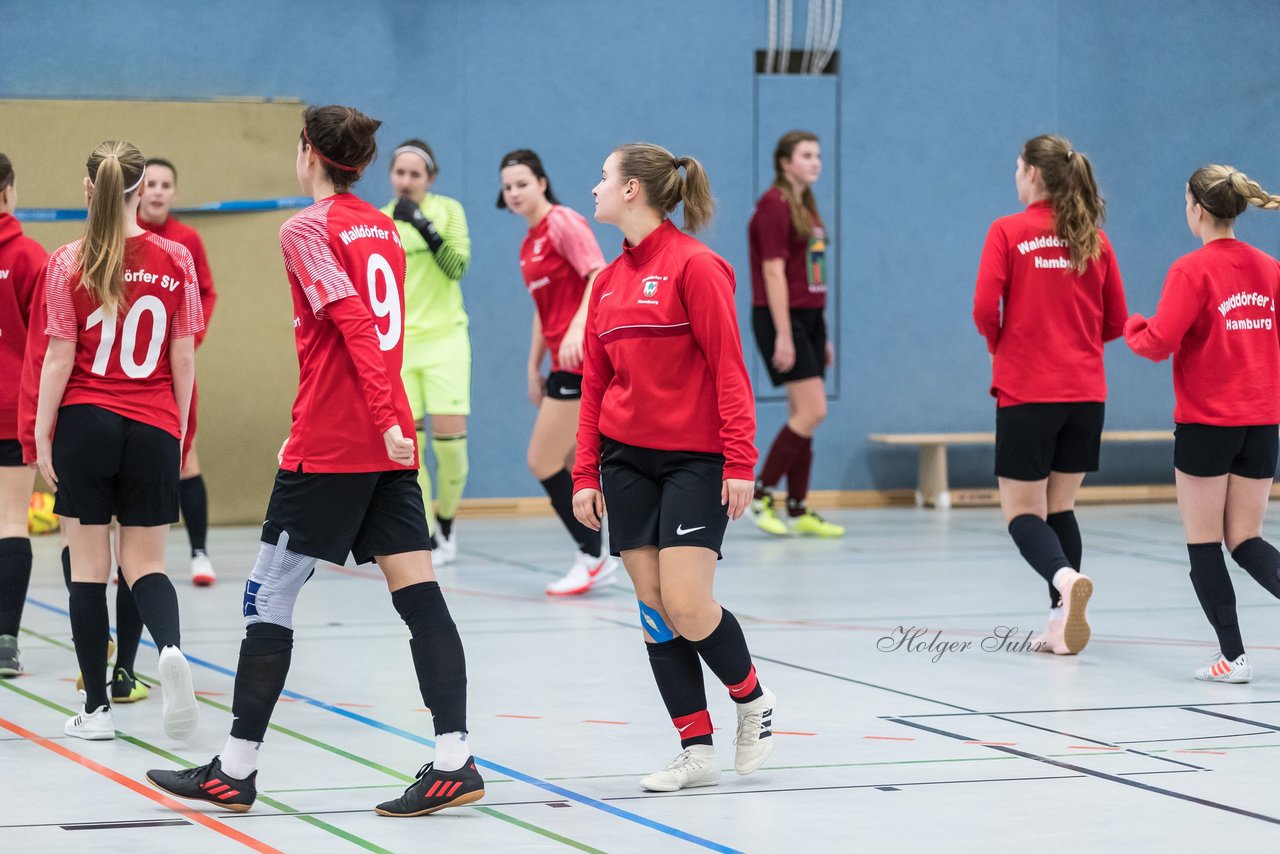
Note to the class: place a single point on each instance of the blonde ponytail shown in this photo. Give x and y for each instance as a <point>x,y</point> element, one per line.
<point>658,172</point>
<point>114,167</point>
<point>1225,192</point>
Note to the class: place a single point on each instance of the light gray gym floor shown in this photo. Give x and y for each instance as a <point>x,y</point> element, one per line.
<point>983,751</point>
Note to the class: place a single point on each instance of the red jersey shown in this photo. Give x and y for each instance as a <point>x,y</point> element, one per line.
<point>29,390</point>
<point>772,235</point>
<point>1048,343</point>
<point>179,232</point>
<point>346,271</point>
<point>122,359</point>
<point>1217,317</point>
<point>663,365</point>
<point>555,259</point>
<point>21,260</point>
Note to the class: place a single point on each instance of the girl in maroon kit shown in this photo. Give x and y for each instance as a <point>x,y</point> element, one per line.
<point>123,308</point>
<point>665,435</point>
<point>559,259</point>
<point>789,248</point>
<point>1048,297</point>
<point>1217,318</point>
<point>21,260</point>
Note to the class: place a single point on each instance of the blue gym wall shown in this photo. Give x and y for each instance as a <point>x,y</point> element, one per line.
<point>934,99</point>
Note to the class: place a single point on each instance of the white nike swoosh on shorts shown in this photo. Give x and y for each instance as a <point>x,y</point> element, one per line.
<point>681,530</point>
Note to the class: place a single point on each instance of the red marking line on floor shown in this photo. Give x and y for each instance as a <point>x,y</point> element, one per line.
<point>210,694</point>
<point>786,732</point>
<point>521,717</point>
<point>616,723</point>
<point>993,743</point>
<point>354,705</point>
<point>139,788</point>
<point>887,738</point>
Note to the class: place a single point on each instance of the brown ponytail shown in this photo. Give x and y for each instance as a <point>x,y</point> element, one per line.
<point>804,207</point>
<point>1078,208</point>
<point>113,166</point>
<point>343,138</point>
<point>658,172</point>
<point>1225,193</point>
<point>6,172</point>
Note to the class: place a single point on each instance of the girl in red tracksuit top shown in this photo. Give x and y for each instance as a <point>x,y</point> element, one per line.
<point>1217,318</point>
<point>1048,297</point>
<point>666,432</point>
<point>21,259</point>
<point>559,260</point>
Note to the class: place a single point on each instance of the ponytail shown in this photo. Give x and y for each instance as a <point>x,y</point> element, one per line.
<point>658,172</point>
<point>114,168</point>
<point>1225,193</point>
<point>1078,208</point>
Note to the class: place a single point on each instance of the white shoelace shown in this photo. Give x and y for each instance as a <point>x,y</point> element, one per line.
<point>684,761</point>
<point>750,725</point>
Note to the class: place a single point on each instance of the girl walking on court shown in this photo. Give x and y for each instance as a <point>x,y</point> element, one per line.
<point>437,345</point>
<point>559,260</point>
<point>1048,298</point>
<point>1217,318</point>
<point>21,260</point>
<point>673,459</point>
<point>347,483</point>
<point>789,249</point>
<point>159,189</point>
<point>123,309</point>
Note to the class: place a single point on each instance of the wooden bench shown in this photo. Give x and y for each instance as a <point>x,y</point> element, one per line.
<point>932,489</point>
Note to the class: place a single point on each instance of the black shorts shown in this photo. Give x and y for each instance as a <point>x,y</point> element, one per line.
<point>1033,439</point>
<point>10,453</point>
<point>108,465</point>
<point>808,331</point>
<point>329,516</point>
<point>662,498</point>
<point>1203,450</point>
<point>563,385</point>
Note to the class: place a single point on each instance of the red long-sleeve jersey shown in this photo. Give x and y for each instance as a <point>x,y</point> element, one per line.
<point>664,367</point>
<point>182,233</point>
<point>1217,318</point>
<point>1045,325</point>
<point>21,260</point>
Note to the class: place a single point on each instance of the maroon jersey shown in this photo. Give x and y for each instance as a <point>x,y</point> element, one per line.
<point>346,271</point>
<point>772,235</point>
<point>21,260</point>
<point>555,259</point>
<point>122,357</point>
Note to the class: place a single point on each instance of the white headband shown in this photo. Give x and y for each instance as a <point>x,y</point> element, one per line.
<point>431,164</point>
<point>136,184</point>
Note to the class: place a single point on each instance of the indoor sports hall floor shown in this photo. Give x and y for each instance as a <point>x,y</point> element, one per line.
<point>875,750</point>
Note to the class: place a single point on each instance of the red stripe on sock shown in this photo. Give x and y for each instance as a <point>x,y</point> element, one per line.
<point>746,686</point>
<point>694,725</point>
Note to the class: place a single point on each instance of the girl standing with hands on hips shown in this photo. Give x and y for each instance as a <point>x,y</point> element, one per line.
<point>1217,318</point>
<point>559,259</point>
<point>665,438</point>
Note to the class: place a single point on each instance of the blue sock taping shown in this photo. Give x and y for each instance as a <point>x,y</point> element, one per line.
<point>651,622</point>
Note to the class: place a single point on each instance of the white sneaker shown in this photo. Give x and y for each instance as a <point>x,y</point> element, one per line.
<point>446,550</point>
<point>98,726</point>
<point>695,766</point>
<point>754,740</point>
<point>587,572</point>
<point>202,574</point>
<point>181,714</point>
<point>1222,670</point>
